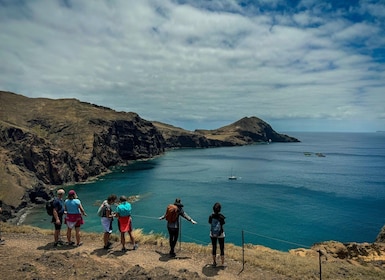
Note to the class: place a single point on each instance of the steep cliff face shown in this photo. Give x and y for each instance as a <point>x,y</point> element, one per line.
<point>47,142</point>
<point>53,142</point>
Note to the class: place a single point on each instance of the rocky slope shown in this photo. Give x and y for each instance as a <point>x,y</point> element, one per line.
<point>46,142</point>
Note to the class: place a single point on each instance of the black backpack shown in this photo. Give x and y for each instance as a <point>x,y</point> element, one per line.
<point>49,206</point>
<point>216,227</point>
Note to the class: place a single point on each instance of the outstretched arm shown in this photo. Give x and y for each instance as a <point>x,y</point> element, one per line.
<point>187,217</point>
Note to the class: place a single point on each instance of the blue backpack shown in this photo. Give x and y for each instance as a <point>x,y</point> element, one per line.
<point>216,228</point>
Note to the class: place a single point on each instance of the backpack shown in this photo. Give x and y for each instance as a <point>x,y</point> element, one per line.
<point>100,211</point>
<point>124,209</point>
<point>49,206</point>
<point>216,228</point>
<point>172,213</point>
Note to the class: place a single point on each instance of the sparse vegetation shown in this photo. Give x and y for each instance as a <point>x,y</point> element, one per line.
<point>256,258</point>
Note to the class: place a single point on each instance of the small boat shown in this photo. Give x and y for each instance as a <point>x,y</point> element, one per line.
<point>232,176</point>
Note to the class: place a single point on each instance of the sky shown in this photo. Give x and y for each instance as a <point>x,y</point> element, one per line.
<point>300,65</point>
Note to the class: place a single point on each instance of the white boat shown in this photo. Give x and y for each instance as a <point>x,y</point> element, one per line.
<point>232,176</point>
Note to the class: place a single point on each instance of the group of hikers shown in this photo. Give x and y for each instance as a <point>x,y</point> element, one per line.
<point>71,212</point>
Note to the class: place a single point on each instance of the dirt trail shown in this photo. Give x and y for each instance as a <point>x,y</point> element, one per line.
<point>32,256</point>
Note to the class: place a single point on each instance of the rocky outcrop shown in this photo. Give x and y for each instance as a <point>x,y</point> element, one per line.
<point>246,131</point>
<point>249,130</point>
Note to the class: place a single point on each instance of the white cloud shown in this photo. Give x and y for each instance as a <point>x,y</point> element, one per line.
<point>185,64</point>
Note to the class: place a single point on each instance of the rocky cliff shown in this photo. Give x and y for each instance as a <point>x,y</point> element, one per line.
<point>53,142</point>
<point>46,142</point>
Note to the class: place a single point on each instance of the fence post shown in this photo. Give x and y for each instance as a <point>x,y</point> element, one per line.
<point>180,234</point>
<point>243,252</point>
<point>320,264</point>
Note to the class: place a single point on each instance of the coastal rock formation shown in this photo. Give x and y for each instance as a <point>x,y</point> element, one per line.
<point>248,130</point>
<point>47,142</point>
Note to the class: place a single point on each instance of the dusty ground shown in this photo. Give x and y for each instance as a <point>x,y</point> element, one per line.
<point>32,256</point>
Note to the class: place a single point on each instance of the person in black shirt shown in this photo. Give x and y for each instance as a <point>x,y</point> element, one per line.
<point>57,217</point>
<point>217,233</point>
<point>173,226</point>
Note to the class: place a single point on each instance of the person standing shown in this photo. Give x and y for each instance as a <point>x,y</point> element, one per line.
<point>217,233</point>
<point>74,210</point>
<point>123,212</point>
<point>106,219</point>
<point>57,216</point>
<point>172,214</point>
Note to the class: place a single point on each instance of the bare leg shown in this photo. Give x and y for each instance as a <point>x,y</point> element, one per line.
<point>56,235</point>
<point>123,240</point>
<point>69,233</point>
<point>106,238</point>
<point>132,240</point>
<point>77,230</point>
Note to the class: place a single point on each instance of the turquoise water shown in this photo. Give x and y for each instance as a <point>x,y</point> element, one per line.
<point>282,199</point>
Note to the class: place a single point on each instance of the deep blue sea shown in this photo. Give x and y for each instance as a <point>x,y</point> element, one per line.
<point>284,197</point>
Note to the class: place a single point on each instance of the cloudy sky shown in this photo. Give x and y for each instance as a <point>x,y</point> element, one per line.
<point>300,65</point>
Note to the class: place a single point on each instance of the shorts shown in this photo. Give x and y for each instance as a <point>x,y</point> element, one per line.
<point>57,227</point>
<point>74,220</point>
<point>106,224</point>
<point>125,224</point>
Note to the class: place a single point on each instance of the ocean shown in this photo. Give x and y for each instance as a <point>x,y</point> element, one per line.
<point>330,186</point>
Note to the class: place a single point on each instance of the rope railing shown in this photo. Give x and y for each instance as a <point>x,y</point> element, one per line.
<point>277,239</point>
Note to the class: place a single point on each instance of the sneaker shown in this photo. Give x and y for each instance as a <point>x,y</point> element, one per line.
<point>2,241</point>
<point>214,264</point>
<point>124,249</point>
<point>71,243</point>
<point>79,244</point>
<point>61,242</point>
<point>135,247</point>
<point>57,244</point>
<point>107,246</point>
<point>172,255</point>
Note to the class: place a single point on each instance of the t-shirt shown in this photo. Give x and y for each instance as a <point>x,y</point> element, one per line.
<point>124,209</point>
<point>72,206</point>
<point>58,204</point>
